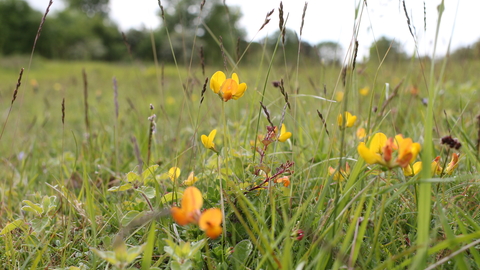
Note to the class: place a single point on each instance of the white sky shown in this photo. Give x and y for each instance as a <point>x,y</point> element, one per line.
<point>331,20</point>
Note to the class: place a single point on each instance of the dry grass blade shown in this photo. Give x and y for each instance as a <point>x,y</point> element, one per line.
<point>303,17</point>
<point>267,19</point>
<point>14,97</point>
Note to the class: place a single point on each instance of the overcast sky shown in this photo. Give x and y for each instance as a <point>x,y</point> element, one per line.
<point>332,20</point>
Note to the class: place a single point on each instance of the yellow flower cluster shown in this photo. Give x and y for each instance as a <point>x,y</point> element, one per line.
<point>389,152</point>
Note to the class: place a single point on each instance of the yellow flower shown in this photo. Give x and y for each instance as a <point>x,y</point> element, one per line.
<point>174,173</point>
<point>412,170</point>
<point>284,135</point>
<point>381,149</point>
<point>227,88</point>
<point>339,175</point>
<point>208,141</point>
<point>209,221</point>
<point>364,91</point>
<point>349,120</point>
<point>190,180</point>
<point>339,96</point>
<point>361,132</point>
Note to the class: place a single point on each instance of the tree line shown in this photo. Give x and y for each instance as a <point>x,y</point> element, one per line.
<point>191,28</point>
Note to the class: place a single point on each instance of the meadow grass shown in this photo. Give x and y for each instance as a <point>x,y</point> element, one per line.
<point>85,188</point>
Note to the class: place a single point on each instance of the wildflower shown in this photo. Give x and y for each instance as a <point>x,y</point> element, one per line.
<point>341,174</point>
<point>339,96</point>
<point>414,169</point>
<point>208,141</point>
<point>361,132</point>
<point>190,180</point>
<point>192,201</point>
<point>208,221</point>
<point>452,165</point>
<point>364,91</point>
<point>227,88</point>
<point>284,135</point>
<point>174,173</point>
<point>381,149</point>
<point>284,179</point>
<point>349,120</point>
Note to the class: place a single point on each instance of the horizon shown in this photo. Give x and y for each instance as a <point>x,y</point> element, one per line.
<point>379,20</point>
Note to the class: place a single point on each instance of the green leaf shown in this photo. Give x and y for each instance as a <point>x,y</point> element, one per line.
<point>133,252</point>
<point>121,188</point>
<point>108,256</point>
<point>39,224</point>
<point>148,191</point>
<point>149,171</point>
<point>32,207</point>
<point>12,226</point>
<point>131,215</point>
<point>241,252</point>
<point>132,176</point>
<point>169,197</point>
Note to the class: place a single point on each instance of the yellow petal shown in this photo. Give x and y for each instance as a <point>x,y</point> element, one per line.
<point>217,80</point>
<point>240,91</point>
<point>205,143</point>
<point>174,173</point>
<point>284,135</point>
<point>364,91</point>
<point>228,88</point>
<point>351,119</point>
<point>212,134</point>
<point>417,167</point>
<point>378,141</point>
<point>190,180</point>
<point>361,133</point>
<point>368,155</point>
<point>235,78</point>
<point>340,120</point>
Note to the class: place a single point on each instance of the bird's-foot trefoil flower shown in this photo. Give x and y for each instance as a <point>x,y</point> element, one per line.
<point>207,141</point>
<point>284,135</point>
<point>190,180</point>
<point>381,150</point>
<point>349,120</point>
<point>341,174</point>
<point>174,173</point>
<point>189,212</point>
<point>227,89</point>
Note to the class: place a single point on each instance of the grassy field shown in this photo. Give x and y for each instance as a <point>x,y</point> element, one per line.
<point>95,155</point>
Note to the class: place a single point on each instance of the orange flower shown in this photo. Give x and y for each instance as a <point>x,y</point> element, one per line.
<point>284,179</point>
<point>189,212</point>
<point>210,222</point>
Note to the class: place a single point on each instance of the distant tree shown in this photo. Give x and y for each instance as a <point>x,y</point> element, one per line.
<point>77,36</point>
<point>330,52</point>
<point>18,27</point>
<point>90,7</point>
<point>389,47</point>
<point>188,23</point>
